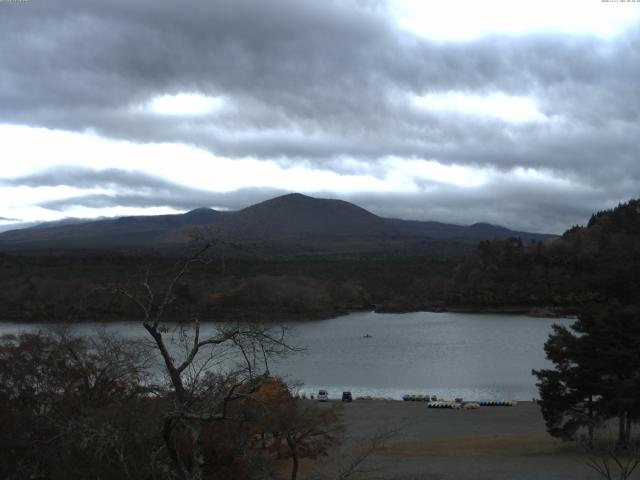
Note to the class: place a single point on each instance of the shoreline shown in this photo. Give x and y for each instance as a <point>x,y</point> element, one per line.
<point>489,443</point>
<point>536,312</point>
<point>258,317</point>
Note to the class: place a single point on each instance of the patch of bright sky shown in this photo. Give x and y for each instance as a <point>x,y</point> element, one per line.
<point>497,105</point>
<point>36,149</point>
<point>464,20</point>
<point>436,172</point>
<point>546,177</point>
<point>20,202</point>
<point>11,196</point>
<point>87,212</point>
<point>182,104</point>
<point>32,150</point>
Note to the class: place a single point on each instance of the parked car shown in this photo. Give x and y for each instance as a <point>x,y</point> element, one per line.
<point>323,396</point>
<point>346,397</point>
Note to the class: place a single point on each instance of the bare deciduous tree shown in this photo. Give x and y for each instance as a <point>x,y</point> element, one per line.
<point>611,460</point>
<point>199,396</point>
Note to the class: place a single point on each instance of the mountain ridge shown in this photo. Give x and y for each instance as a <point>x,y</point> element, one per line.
<point>292,219</point>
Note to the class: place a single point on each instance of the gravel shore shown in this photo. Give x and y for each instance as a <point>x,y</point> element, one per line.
<point>492,443</point>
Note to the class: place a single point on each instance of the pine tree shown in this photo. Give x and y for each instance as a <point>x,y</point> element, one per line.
<point>596,374</point>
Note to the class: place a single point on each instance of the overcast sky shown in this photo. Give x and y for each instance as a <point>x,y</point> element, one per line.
<point>519,113</point>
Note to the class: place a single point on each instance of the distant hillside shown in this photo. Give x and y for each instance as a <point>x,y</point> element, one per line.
<point>108,233</point>
<point>324,257</point>
<point>293,223</point>
<point>475,232</point>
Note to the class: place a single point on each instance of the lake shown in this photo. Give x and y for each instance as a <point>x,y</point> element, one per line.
<point>474,356</point>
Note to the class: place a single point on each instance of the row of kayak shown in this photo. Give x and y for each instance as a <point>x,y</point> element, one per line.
<point>434,402</point>
<point>454,405</point>
<point>372,397</point>
<point>498,403</point>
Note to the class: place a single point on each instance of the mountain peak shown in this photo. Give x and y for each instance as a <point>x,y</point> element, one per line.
<point>201,212</point>
<point>295,215</point>
<point>290,198</point>
<point>294,196</point>
<point>488,226</point>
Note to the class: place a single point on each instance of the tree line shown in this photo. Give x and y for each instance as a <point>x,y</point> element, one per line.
<point>594,384</point>
<point>176,405</point>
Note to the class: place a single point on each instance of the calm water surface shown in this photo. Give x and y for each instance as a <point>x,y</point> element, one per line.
<point>474,356</point>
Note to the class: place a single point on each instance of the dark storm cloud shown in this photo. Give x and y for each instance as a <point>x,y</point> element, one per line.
<point>181,199</point>
<point>88,178</point>
<point>305,80</point>
<point>320,82</point>
<point>531,205</point>
<point>134,189</point>
<point>523,206</point>
<point>520,204</point>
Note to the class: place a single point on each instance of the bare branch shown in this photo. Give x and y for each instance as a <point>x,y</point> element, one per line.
<point>197,257</point>
<point>136,301</point>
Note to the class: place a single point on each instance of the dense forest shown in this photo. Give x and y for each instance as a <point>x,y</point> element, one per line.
<point>76,287</point>
<point>597,261</point>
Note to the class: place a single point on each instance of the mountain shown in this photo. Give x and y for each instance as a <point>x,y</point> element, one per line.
<point>116,232</point>
<point>292,223</point>
<point>299,217</point>
<point>475,232</point>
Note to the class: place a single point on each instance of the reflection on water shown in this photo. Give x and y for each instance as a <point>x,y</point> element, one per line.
<point>474,356</point>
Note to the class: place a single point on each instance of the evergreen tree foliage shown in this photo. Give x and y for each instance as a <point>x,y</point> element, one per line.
<point>596,374</point>
<point>596,263</point>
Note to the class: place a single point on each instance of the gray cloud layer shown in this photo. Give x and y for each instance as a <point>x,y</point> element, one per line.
<point>530,206</point>
<point>318,82</point>
<point>134,189</point>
